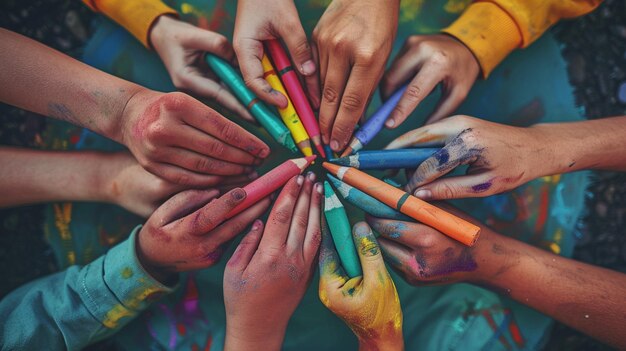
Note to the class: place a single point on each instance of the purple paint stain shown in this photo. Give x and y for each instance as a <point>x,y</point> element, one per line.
<point>442,156</point>
<point>479,188</point>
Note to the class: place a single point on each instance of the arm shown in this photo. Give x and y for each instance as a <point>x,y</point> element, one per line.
<point>502,157</point>
<point>585,297</point>
<point>171,135</point>
<point>81,305</point>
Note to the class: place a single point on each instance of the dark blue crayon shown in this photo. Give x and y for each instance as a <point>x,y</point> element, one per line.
<point>329,152</point>
<point>386,159</point>
<point>374,124</point>
<point>365,202</point>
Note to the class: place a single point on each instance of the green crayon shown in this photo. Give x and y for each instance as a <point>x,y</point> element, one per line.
<point>266,118</point>
<point>341,232</point>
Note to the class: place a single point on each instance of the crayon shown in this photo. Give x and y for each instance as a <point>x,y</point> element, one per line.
<point>270,182</point>
<point>374,124</point>
<point>386,159</point>
<point>341,231</point>
<point>365,202</point>
<point>447,223</point>
<point>288,114</point>
<point>329,152</point>
<point>266,118</point>
<point>299,99</point>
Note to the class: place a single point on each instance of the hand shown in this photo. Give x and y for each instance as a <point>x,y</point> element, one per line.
<point>369,304</point>
<point>259,20</point>
<point>353,39</point>
<point>189,232</point>
<point>500,157</point>
<point>179,139</point>
<point>428,60</point>
<point>271,269</point>
<point>181,47</point>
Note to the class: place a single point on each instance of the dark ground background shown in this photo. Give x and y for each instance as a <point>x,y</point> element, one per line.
<point>594,47</point>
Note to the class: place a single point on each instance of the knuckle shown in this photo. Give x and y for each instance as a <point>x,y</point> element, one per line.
<point>447,191</point>
<point>230,133</point>
<point>216,148</point>
<point>282,216</point>
<point>182,179</point>
<point>366,57</point>
<point>329,95</point>
<point>300,221</point>
<point>203,164</point>
<point>302,48</point>
<point>414,92</point>
<point>352,102</point>
<point>156,131</point>
<point>174,101</point>
<point>439,58</point>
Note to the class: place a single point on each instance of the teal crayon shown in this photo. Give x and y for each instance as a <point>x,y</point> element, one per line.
<point>262,113</point>
<point>386,159</point>
<point>341,231</point>
<point>365,202</point>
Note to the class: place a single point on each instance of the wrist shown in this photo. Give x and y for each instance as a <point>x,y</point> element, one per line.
<point>553,152</point>
<point>160,29</point>
<point>162,275</point>
<point>135,106</point>
<point>250,337</point>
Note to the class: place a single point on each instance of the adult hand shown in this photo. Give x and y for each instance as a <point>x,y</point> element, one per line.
<point>369,304</point>
<point>182,47</point>
<point>500,157</point>
<point>189,231</point>
<point>181,140</point>
<point>353,40</point>
<point>429,60</point>
<point>271,269</point>
<point>259,20</point>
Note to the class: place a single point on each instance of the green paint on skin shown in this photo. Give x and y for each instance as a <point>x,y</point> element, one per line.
<point>127,273</point>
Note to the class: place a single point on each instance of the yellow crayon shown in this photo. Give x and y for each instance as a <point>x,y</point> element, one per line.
<point>288,114</point>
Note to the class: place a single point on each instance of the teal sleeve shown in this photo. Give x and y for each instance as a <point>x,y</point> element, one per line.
<point>81,305</point>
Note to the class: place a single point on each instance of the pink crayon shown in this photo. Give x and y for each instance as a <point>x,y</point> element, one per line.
<point>292,84</point>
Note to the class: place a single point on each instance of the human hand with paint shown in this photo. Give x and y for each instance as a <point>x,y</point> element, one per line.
<point>179,139</point>
<point>190,230</point>
<point>260,20</point>
<point>369,304</point>
<point>352,41</point>
<point>182,47</point>
<point>427,61</point>
<point>500,158</point>
<point>271,269</point>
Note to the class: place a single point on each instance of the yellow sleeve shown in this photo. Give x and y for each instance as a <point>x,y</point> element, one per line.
<point>137,16</point>
<point>491,29</point>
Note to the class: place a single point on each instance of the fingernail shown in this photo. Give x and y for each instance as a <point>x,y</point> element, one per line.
<point>334,145</point>
<point>253,175</point>
<point>361,229</point>
<point>308,68</point>
<point>257,224</point>
<point>311,176</point>
<point>390,123</point>
<point>423,194</point>
<point>300,180</point>
<point>319,188</point>
<point>238,194</point>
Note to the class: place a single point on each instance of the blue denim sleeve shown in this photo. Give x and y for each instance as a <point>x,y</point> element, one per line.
<point>81,305</point>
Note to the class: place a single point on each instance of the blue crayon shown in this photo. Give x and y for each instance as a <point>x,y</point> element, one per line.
<point>365,202</point>
<point>329,152</point>
<point>386,159</point>
<point>374,124</point>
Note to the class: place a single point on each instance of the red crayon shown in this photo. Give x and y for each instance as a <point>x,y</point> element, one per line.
<point>271,181</point>
<point>292,84</point>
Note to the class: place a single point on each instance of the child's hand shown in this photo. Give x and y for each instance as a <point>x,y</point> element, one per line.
<point>181,47</point>
<point>427,60</point>
<point>353,41</point>
<point>368,304</point>
<point>259,20</point>
<point>500,157</point>
<point>189,232</point>
<point>271,269</point>
<point>185,142</point>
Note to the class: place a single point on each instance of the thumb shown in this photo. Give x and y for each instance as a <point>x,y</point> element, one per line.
<point>478,185</point>
<point>247,247</point>
<point>368,250</point>
<point>212,42</point>
<point>299,49</point>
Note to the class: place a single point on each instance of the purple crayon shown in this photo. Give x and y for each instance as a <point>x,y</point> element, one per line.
<point>374,124</point>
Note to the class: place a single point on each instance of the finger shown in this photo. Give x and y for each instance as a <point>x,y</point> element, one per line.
<point>209,216</point>
<point>313,230</point>
<point>198,163</point>
<point>247,247</point>
<point>181,176</point>
<point>181,205</point>
<point>332,275</point>
<point>401,259</point>
<point>212,42</point>
<point>436,134</point>
<point>232,227</point>
<point>195,140</point>
<point>336,78</point>
<point>298,46</point>
<point>312,81</point>
<point>405,233</point>
<point>209,121</point>
<point>279,219</point>
<point>249,55</point>
<point>210,89</point>
<point>360,86</point>
<point>418,89</point>
<point>300,217</point>
<point>404,67</point>
<point>476,185</point>
<point>448,104</point>
<point>368,250</point>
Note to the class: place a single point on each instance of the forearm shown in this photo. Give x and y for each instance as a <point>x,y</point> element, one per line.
<point>587,298</point>
<point>396,344</point>
<point>568,147</point>
<point>40,79</point>
<point>250,338</point>
<point>33,176</point>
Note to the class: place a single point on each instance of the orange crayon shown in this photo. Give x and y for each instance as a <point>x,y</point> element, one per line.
<point>270,182</point>
<point>447,223</point>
